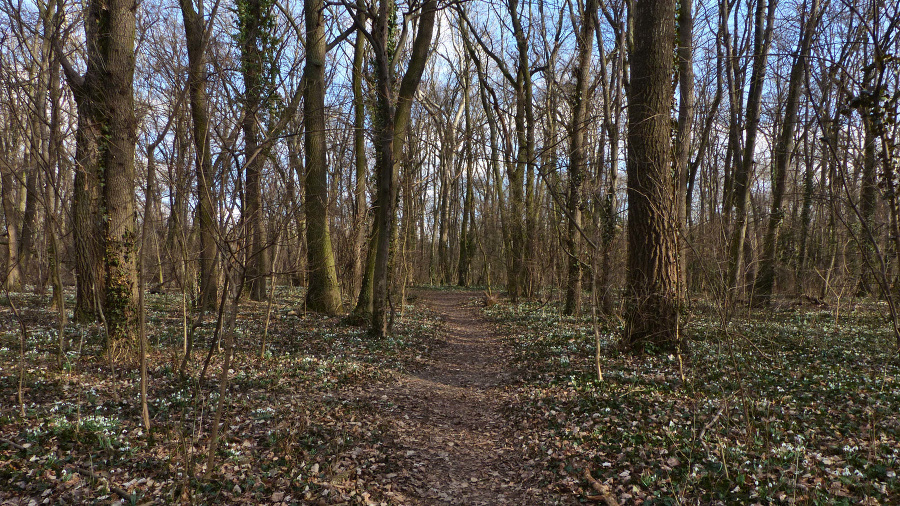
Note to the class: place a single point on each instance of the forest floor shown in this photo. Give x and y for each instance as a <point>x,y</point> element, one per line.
<point>794,404</point>
<point>325,415</point>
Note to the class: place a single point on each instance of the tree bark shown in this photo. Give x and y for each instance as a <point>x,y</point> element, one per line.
<point>86,212</point>
<point>651,315</point>
<point>196,37</point>
<point>116,145</point>
<point>323,294</point>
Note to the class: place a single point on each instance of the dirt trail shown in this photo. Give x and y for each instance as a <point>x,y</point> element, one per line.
<point>449,441</point>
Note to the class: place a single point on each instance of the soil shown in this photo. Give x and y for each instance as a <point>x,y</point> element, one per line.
<point>448,441</point>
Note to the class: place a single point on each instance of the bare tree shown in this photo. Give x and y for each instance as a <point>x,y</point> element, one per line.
<point>391,119</point>
<point>651,315</point>
<point>323,294</point>
<point>197,38</point>
<point>784,148</point>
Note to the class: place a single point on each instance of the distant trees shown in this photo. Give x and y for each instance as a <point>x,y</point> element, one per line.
<point>509,151</point>
<point>745,156</point>
<point>784,147</point>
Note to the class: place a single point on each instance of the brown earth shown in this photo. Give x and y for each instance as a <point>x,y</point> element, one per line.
<point>447,440</point>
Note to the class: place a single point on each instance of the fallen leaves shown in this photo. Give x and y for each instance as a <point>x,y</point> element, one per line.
<point>774,405</point>
<point>293,430</point>
<point>784,408</point>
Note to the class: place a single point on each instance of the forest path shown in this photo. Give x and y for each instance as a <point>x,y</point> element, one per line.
<point>448,440</point>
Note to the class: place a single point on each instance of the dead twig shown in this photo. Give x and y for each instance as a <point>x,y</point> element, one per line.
<point>604,494</point>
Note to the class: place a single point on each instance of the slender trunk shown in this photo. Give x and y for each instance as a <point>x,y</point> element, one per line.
<point>467,232</point>
<point>27,232</point>
<point>252,63</point>
<point>744,176</point>
<point>361,164</point>
<point>612,83</point>
<point>685,59</point>
<point>12,269</point>
<point>196,37</point>
<point>577,157</point>
<point>443,224</point>
<point>56,175</point>
<point>521,198</point>
<point>364,301</point>
<point>765,280</point>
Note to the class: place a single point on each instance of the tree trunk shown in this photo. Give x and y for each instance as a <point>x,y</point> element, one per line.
<point>685,58</point>
<point>323,294</point>
<point>577,157</point>
<point>252,63</point>
<point>364,302</point>
<point>765,280</point>
<point>359,158</point>
<point>12,270</point>
<point>651,315</point>
<point>196,36</point>
<point>115,43</point>
<point>39,156</point>
<point>612,85</point>
<point>85,213</point>
<point>467,230</point>
<point>391,121</point>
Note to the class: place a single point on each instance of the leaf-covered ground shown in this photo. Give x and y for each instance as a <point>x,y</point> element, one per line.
<point>796,405</point>
<point>323,415</point>
<point>290,434</point>
<point>462,406</point>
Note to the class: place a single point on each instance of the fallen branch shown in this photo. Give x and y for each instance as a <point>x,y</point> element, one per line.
<point>14,445</point>
<point>124,494</point>
<point>713,420</point>
<point>604,494</point>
